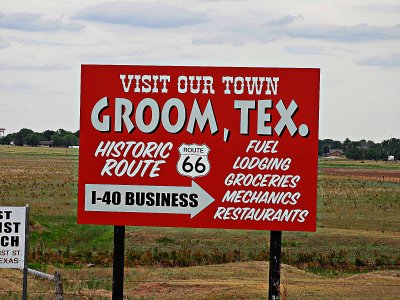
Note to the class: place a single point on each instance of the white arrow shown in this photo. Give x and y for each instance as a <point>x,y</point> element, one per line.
<point>118,202</point>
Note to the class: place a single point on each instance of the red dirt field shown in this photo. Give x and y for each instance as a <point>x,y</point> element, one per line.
<point>372,174</point>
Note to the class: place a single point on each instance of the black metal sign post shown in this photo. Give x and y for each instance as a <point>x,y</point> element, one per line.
<point>275,265</point>
<point>118,263</point>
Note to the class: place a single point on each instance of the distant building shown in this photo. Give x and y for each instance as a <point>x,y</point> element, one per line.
<point>335,153</point>
<point>391,158</point>
<point>2,130</point>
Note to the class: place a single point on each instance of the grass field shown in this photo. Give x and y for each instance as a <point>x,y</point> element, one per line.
<point>241,280</point>
<point>358,231</point>
<point>360,164</point>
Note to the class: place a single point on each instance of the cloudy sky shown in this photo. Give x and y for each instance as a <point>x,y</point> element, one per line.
<point>356,44</point>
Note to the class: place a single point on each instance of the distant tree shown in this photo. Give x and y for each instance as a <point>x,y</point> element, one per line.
<point>346,144</point>
<point>328,144</point>
<point>372,153</point>
<point>41,136</point>
<point>32,139</point>
<point>354,153</point>
<point>18,140</point>
<point>325,150</point>
<point>327,141</point>
<point>20,136</point>
<point>63,132</point>
<point>320,144</point>
<point>371,144</point>
<point>58,141</point>
<point>336,145</point>
<point>391,147</point>
<point>25,131</point>
<point>71,140</point>
<point>47,134</point>
<point>6,140</point>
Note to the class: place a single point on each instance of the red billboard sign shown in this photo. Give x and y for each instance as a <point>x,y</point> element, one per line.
<point>206,147</point>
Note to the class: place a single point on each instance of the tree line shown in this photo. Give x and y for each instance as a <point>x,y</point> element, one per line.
<point>58,138</point>
<point>351,149</point>
<point>362,149</point>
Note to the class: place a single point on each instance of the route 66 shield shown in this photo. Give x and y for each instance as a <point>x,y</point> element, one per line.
<point>193,161</point>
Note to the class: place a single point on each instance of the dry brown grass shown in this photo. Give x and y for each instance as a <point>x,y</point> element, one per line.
<point>247,280</point>
<point>43,177</point>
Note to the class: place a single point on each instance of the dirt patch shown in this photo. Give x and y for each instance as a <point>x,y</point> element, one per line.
<point>250,281</point>
<point>9,285</point>
<point>243,280</point>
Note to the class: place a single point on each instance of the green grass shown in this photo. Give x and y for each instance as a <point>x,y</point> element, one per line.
<point>38,151</point>
<point>366,164</point>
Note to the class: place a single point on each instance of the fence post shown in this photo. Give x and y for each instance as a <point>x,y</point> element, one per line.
<point>58,286</point>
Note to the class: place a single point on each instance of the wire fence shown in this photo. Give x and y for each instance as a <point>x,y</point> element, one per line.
<point>100,293</point>
<point>74,288</point>
<point>42,285</point>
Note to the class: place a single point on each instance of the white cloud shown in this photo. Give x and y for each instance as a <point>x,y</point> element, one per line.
<point>384,8</point>
<point>282,28</point>
<point>392,61</point>
<point>355,33</point>
<point>141,14</point>
<point>285,20</point>
<point>296,26</point>
<point>3,43</point>
<point>35,22</point>
<point>34,67</point>
<point>304,50</point>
